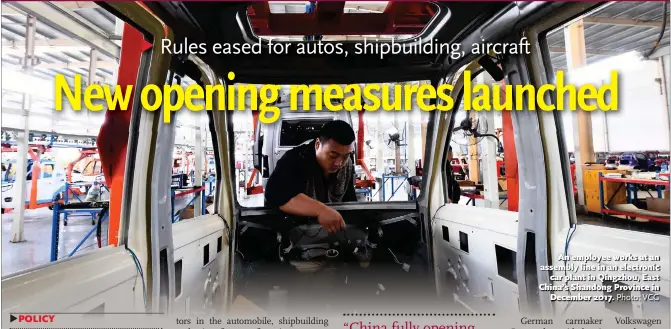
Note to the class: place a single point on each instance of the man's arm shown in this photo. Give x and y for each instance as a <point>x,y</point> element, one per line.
<point>303,205</point>
<point>284,190</point>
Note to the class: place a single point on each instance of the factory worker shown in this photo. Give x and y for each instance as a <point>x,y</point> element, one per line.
<point>312,175</point>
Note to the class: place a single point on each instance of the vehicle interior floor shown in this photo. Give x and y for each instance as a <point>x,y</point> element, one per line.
<point>323,285</point>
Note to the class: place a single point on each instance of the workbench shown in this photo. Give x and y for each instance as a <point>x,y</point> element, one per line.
<point>629,210</point>
<point>74,189</point>
<point>199,191</point>
<point>98,209</point>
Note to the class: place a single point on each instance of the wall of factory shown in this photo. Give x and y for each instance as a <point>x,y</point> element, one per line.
<point>642,120</point>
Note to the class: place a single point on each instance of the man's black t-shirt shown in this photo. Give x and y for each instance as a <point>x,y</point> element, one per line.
<point>299,172</point>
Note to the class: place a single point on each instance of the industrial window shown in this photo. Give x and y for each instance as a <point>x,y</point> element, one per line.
<point>635,156</point>
<point>194,168</point>
<point>296,132</point>
<point>392,145</point>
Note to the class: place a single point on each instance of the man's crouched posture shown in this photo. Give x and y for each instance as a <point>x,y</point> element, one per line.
<point>309,176</point>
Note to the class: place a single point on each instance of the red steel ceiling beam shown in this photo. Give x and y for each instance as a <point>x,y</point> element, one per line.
<point>329,19</point>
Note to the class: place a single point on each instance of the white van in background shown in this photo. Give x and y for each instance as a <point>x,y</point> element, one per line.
<point>49,182</point>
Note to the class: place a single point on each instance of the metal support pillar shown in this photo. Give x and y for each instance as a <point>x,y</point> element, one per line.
<point>198,165</point>
<point>55,229</point>
<point>29,61</point>
<point>474,148</point>
<point>93,67</point>
<point>410,142</point>
<point>576,56</point>
<point>72,25</point>
<point>397,149</point>
<point>489,168</point>
<point>118,30</point>
<point>663,81</point>
<point>474,156</point>
<point>510,163</point>
<point>606,138</point>
<point>424,119</point>
<point>379,160</point>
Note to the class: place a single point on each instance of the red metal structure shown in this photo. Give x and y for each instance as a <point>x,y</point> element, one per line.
<point>112,140</point>
<point>510,163</point>
<point>369,181</point>
<point>329,18</point>
<point>251,187</point>
<point>35,174</point>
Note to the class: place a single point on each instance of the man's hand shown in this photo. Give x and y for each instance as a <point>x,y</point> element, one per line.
<point>331,220</point>
<point>303,205</point>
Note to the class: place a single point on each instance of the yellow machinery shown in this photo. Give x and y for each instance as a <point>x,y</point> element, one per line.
<point>610,191</point>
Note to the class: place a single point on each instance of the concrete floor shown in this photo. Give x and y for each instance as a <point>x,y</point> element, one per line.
<point>36,250</point>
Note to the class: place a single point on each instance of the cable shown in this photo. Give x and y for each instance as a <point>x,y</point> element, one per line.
<point>139,269</point>
<point>313,236</point>
<point>305,233</point>
<point>395,259</point>
<point>566,243</point>
<point>436,213</point>
<point>315,248</point>
<point>661,32</point>
<point>141,272</point>
<point>569,235</point>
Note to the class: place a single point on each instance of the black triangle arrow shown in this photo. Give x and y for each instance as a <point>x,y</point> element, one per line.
<point>12,318</point>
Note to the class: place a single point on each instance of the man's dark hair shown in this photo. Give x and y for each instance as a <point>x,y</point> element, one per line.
<point>339,131</point>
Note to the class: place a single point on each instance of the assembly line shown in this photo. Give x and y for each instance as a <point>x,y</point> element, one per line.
<point>179,198</point>
<point>390,181</point>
